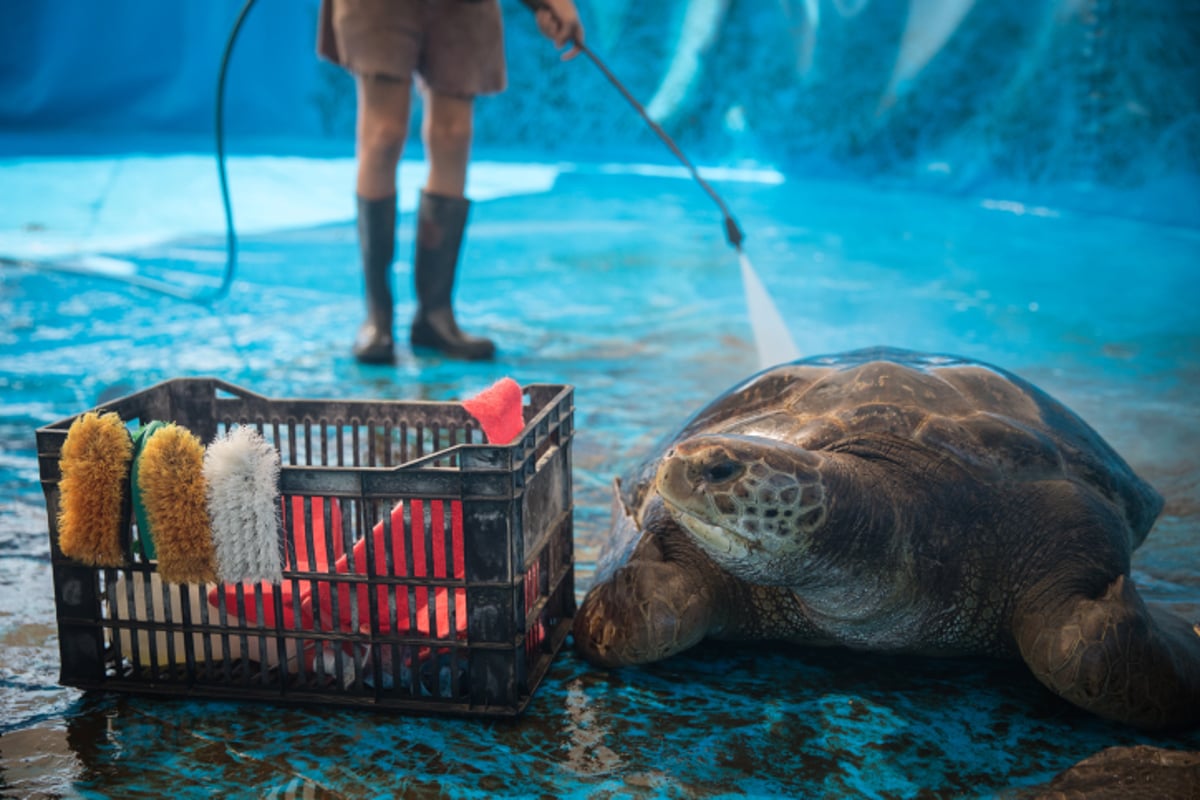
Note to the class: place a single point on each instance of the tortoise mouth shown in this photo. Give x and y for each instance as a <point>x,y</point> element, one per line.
<point>718,540</point>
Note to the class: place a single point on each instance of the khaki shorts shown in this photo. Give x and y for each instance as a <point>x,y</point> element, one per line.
<point>456,47</point>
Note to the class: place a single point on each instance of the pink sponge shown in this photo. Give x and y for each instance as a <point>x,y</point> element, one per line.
<point>498,411</point>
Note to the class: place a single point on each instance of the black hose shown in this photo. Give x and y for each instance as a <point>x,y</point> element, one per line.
<point>219,125</point>
<point>151,284</point>
<point>732,231</point>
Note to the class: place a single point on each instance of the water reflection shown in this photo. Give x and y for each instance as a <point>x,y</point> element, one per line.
<point>586,731</point>
<point>765,721</point>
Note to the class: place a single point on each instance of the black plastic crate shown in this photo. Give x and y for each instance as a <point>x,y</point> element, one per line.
<point>466,620</point>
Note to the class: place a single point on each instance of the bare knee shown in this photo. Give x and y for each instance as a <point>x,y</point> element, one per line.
<point>381,139</point>
<point>449,135</point>
<point>448,122</point>
<point>383,106</point>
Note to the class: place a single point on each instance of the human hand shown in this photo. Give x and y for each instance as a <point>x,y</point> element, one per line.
<point>558,20</point>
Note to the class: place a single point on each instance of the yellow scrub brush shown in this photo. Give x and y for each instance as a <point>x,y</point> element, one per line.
<point>95,467</point>
<point>171,481</point>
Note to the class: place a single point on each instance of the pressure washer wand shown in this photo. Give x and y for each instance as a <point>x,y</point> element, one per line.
<point>732,231</point>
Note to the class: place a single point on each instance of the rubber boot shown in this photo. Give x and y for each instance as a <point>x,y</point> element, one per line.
<point>377,244</point>
<point>440,224</point>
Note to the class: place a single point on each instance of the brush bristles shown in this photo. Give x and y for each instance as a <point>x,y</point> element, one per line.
<point>171,478</point>
<point>242,473</point>
<point>95,466</point>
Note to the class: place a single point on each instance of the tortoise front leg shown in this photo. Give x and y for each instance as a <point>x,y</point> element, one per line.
<point>1115,657</point>
<point>646,611</point>
<point>662,600</point>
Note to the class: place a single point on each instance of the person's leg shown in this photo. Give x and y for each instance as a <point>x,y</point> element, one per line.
<point>382,127</point>
<point>447,129</point>
<point>441,221</point>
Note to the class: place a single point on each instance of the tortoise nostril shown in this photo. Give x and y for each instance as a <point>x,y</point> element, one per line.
<point>722,471</point>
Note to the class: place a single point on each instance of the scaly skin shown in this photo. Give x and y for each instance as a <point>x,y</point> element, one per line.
<point>1115,657</point>
<point>670,595</point>
<point>899,502</point>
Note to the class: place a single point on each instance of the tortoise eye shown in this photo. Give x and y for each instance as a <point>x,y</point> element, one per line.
<point>722,471</point>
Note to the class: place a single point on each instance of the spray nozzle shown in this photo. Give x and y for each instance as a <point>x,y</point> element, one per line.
<point>733,232</point>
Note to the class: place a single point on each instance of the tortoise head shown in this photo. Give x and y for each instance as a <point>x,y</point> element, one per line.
<point>751,503</point>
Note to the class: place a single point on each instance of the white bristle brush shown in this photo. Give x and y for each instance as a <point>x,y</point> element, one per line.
<point>242,473</point>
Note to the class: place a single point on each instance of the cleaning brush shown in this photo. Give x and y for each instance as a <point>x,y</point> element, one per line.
<point>143,545</point>
<point>171,481</point>
<point>95,466</point>
<point>241,471</point>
